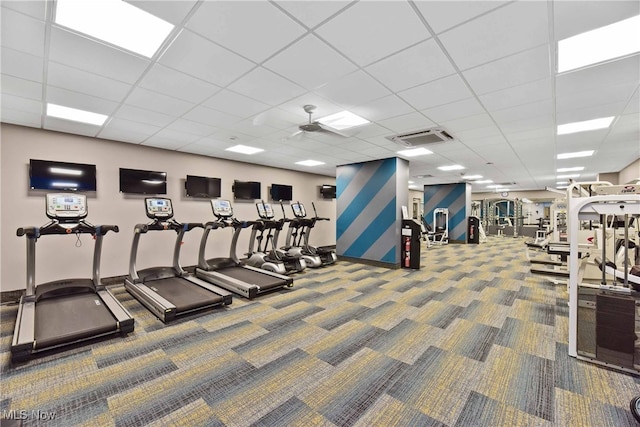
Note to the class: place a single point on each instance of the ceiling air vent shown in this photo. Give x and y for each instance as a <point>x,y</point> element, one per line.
<point>422,137</point>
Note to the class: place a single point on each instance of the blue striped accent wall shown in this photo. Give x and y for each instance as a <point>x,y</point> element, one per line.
<point>368,211</point>
<point>456,198</point>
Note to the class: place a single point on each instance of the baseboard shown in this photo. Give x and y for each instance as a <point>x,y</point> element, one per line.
<point>369,262</point>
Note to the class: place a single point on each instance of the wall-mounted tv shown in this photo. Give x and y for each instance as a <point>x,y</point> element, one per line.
<point>328,191</point>
<point>281,192</point>
<point>137,181</point>
<point>246,190</point>
<point>202,186</point>
<point>52,175</point>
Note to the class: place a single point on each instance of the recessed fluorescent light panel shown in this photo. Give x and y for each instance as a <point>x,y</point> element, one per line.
<point>472,177</point>
<point>310,163</point>
<point>575,154</point>
<point>244,149</point>
<point>604,43</point>
<point>484,181</point>
<point>575,169</point>
<point>343,120</point>
<point>115,22</point>
<point>415,152</point>
<point>75,115</point>
<point>585,126</point>
<point>450,168</point>
<point>571,175</point>
<point>494,186</point>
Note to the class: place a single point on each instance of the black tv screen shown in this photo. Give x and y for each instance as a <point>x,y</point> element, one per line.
<point>52,175</point>
<point>142,182</point>
<point>246,190</point>
<point>328,191</point>
<point>202,186</point>
<point>281,192</point>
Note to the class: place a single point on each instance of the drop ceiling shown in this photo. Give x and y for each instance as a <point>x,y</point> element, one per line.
<point>240,72</point>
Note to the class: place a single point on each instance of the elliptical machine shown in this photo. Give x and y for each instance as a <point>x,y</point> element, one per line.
<point>327,254</point>
<point>270,259</point>
<point>294,245</point>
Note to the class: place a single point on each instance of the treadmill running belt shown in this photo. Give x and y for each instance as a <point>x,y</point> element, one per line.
<point>186,296</point>
<point>71,318</point>
<point>264,281</point>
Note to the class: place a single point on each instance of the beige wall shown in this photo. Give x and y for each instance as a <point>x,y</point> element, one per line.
<point>58,257</point>
<point>630,173</point>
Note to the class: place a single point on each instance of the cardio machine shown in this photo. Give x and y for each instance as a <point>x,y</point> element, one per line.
<point>266,259</point>
<point>169,292</point>
<point>66,311</point>
<point>294,243</point>
<point>327,254</point>
<point>229,272</point>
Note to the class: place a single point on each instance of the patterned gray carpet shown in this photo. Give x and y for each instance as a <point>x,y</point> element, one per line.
<point>470,339</point>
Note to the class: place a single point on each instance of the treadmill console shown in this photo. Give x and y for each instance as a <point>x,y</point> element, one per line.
<point>298,210</point>
<point>222,208</point>
<point>158,208</point>
<point>66,207</point>
<point>265,211</point>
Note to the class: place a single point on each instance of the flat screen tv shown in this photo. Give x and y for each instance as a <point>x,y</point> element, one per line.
<point>52,175</point>
<point>281,192</point>
<point>246,190</point>
<point>202,186</point>
<point>328,191</point>
<point>137,181</point>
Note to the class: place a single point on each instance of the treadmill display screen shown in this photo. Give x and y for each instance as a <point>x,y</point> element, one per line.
<point>66,206</point>
<point>298,210</point>
<point>222,208</point>
<point>158,208</point>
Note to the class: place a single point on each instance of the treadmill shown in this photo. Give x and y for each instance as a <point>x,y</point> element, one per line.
<point>230,273</point>
<point>67,311</point>
<point>169,292</point>
<point>327,254</point>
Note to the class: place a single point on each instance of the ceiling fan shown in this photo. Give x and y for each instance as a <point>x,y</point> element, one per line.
<point>315,126</point>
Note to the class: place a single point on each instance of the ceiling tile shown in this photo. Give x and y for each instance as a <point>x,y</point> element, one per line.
<point>267,87</point>
<point>530,122</point>
<point>228,23</point>
<point>34,8</point>
<point>196,56</point>
<point>21,32</point>
<point>236,104</point>
<point>158,102</point>
<point>64,77</point>
<point>439,92</point>
<point>80,52</point>
<point>67,126</point>
<point>594,97</point>
<point>122,135</point>
<point>124,126</point>
<point>80,101</point>
<point>514,70</point>
<point>383,108</point>
<point>537,90</point>
<point>169,138</point>
<point>407,122</point>
<point>416,65</point>
<point>250,128</point>
<point>21,118</point>
<point>522,112</point>
<point>442,15</point>
<point>195,128</point>
<point>171,11</point>
<point>312,13</point>
<point>129,112</point>
<point>310,62</point>
<point>468,123</point>
<point>575,17</point>
<point>455,110</point>
<point>355,89</point>
<point>22,65</point>
<point>596,111</point>
<point>18,103</point>
<point>612,73</point>
<point>20,87</point>
<point>371,130</point>
<point>503,32</point>
<point>210,117</point>
<point>177,84</point>
<point>376,36</point>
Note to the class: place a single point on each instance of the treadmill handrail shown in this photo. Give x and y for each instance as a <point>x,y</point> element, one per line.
<point>54,227</point>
